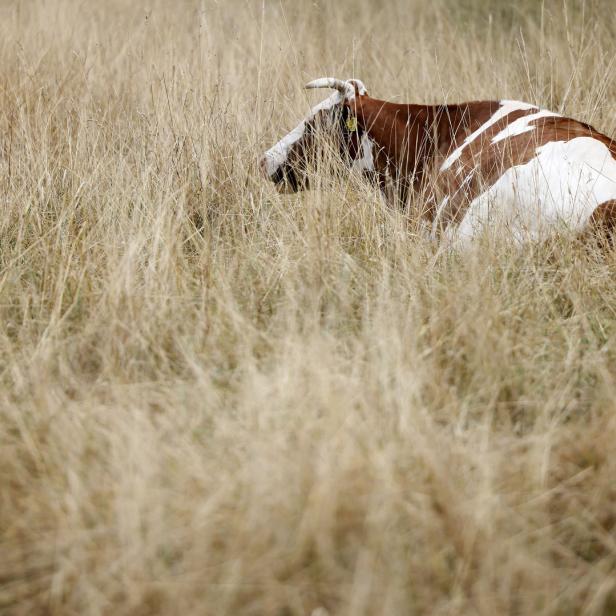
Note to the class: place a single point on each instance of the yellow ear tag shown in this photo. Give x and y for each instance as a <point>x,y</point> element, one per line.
<point>351,123</point>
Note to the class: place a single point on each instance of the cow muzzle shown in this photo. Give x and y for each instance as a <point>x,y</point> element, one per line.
<point>284,176</point>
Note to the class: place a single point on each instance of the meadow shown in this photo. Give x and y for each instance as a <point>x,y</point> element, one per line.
<point>216,399</point>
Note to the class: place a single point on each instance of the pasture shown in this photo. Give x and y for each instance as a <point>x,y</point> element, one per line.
<point>218,399</point>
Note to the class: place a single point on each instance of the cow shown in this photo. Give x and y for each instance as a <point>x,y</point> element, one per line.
<point>475,165</point>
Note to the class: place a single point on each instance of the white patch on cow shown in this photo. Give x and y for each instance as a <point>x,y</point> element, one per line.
<point>522,125</point>
<point>467,179</point>
<point>505,109</point>
<point>366,161</point>
<point>278,153</point>
<point>562,185</point>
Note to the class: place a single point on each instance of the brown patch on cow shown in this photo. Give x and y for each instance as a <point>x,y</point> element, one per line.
<point>486,161</point>
<point>602,224</point>
<point>604,217</point>
<point>412,142</point>
<point>480,164</point>
<point>411,139</point>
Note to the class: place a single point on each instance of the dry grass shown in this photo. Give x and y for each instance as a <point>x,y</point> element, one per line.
<point>215,399</point>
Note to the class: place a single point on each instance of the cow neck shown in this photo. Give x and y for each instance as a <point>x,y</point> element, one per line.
<point>404,133</point>
<point>410,136</point>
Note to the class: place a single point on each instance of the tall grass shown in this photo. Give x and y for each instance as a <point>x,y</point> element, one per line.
<point>216,399</point>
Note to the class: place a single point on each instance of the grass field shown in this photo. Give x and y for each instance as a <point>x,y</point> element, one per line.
<point>220,400</point>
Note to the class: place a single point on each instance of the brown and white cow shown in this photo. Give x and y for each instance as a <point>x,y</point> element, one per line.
<point>505,164</point>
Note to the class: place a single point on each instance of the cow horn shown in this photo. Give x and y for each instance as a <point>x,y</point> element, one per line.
<point>344,87</point>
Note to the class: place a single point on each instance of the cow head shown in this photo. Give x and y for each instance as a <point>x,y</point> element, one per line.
<point>287,163</point>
